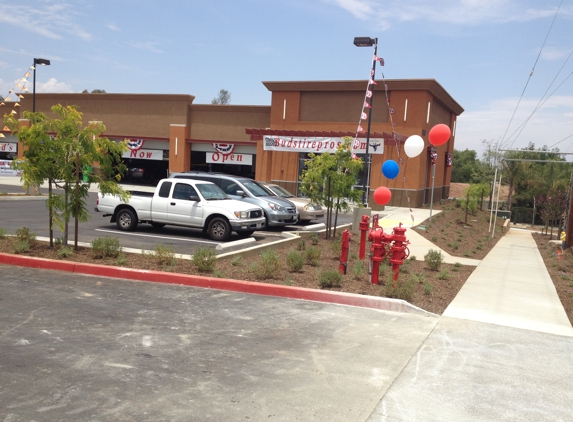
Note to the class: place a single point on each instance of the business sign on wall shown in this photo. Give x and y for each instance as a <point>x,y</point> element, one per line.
<point>319,145</point>
<point>5,169</point>
<point>8,147</point>
<point>240,159</point>
<point>144,154</point>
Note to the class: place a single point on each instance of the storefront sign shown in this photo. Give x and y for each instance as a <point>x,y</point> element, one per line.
<point>8,147</point>
<point>319,145</point>
<point>240,159</point>
<point>144,154</point>
<point>5,169</point>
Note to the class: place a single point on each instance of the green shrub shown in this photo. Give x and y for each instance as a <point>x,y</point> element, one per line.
<point>434,259</point>
<point>301,245</point>
<point>2,233</point>
<point>312,256</point>
<point>24,234</point>
<point>164,255</point>
<point>335,246</point>
<point>268,265</point>
<point>59,241</point>
<point>330,278</point>
<point>428,287</point>
<point>204,260</point>
<point>218,273</point>
<point>401,289</point>
<point>106,247</point>
<point>444,275</point>
<point>21,246</point>
<point>314,238</point>
<point>295,261</point>
<point>359,270</point>
<point>413,258</point>
<point>236,261</point>
<point>121,259</point>
<point>65,251</point>
<point>434,239</point>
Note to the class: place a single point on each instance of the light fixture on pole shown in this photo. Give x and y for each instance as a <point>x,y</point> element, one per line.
<point>42,62</point>
<point>368,42</point>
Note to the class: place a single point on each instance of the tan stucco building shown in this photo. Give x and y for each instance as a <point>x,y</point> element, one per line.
<point>171,134</point>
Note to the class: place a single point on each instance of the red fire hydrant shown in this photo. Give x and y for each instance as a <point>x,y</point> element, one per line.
<point>364,225</point>
<point>378,251</point>
<point>396,246</point>
<point>344,248</point>
<point>399,250</point>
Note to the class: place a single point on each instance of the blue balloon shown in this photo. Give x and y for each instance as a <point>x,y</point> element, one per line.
<point>390,169</point>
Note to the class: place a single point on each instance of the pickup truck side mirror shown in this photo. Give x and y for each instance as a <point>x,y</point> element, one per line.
<point>240,193</point>
<point>194,198</point>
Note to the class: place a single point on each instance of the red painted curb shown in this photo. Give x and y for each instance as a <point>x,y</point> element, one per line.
<point>251,287</point>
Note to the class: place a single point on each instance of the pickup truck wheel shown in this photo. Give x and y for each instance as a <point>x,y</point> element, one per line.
<point>243,235</point>
<point>219,229</point>
<point>126,220</point>
<point>157,225</point>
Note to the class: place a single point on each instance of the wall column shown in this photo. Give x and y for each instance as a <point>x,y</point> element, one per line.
<point>22,123</point>
<point>179,149</point>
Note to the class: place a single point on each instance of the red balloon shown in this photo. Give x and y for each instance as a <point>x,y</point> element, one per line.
<point>382,195</point>
<point>439,134</point>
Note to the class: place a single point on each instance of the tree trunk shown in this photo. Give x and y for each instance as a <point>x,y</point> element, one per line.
<point>336,216</point>
<point>467,207</point>
<point>51,217</point>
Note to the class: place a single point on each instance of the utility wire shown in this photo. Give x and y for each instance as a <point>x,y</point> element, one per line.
<point>531,73</point>
<point>538,106</point>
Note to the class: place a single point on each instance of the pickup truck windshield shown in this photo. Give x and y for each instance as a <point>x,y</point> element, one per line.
<point>254,188</point>
<point>211,192</point>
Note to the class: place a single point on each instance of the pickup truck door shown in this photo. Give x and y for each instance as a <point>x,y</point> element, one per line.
<point>183,210</point>
<point>160,204</point>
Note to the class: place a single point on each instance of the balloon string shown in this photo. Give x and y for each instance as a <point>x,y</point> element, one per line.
<point>397,143</point>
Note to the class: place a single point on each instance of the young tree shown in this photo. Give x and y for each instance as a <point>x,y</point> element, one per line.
<point>329,180</point>
<point>224,97</point>
<point>59,158</point>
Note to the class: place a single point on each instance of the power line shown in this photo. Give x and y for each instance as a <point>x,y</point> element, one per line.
<point>542,100</point>
<point>531,73</point>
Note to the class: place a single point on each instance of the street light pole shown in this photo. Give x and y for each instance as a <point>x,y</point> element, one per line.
<point>42,62</point>
<point>368,42</point>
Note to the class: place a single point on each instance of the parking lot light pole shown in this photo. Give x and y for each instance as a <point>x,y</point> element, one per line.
<point>42,62</point>
<point>368,42</point>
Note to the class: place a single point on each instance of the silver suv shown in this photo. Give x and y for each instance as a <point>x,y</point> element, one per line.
<point>278,211</point>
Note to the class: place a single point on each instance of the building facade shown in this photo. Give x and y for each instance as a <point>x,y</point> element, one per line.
<point>168,133</point>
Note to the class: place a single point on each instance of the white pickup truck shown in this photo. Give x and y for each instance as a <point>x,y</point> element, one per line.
<point>189,203</point>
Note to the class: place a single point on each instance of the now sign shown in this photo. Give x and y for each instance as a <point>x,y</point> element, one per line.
<point>240,159</point>
<point>144,154</point>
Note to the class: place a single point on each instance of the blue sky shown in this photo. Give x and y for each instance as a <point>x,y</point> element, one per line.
<point>481,51</point>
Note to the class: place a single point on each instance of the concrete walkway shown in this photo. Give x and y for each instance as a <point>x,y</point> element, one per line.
<point>511,287</point>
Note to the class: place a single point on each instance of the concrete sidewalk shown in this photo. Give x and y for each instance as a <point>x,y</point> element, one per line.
<point>500,352</point>
<point>511,287</point>
<point>419,245</point>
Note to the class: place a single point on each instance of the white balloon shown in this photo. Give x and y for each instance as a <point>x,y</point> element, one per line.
<point>414,146</point>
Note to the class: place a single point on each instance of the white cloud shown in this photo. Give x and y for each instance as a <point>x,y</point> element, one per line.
<point>52,20</point>
<point>554,53</point>
<point>113,27</point>
<point>459,12</point>
<point>547,126</point>
<point>53,86</point>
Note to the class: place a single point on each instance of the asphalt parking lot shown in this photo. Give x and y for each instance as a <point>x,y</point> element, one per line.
<point>76,347</point>
<point>32,213</point>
